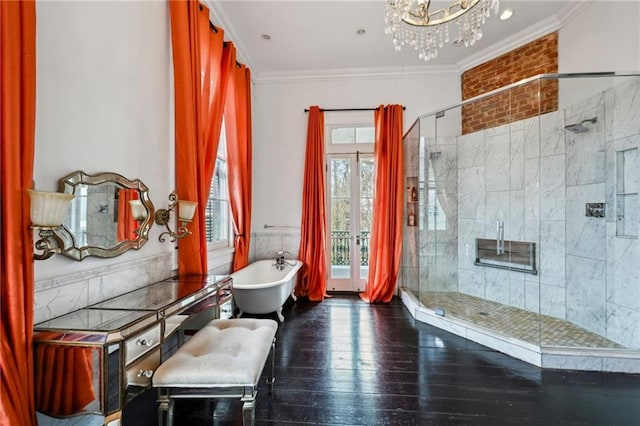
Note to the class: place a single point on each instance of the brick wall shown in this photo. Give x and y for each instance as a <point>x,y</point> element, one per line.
<point>538,57</point>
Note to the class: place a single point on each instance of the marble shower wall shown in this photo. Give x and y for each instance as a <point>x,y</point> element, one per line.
<point>496,168</point>
<point>537,177</point>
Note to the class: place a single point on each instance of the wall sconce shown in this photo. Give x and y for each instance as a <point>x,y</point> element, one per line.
<point>186,210</point>
<point>47,214</point>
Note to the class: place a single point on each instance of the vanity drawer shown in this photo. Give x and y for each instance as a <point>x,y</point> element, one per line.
<point>141,373</point>
<point>138,345</point>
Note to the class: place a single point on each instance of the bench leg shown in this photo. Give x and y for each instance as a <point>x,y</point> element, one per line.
<point>248,411</point>
<point>165,410</point>
<point>170,412</point>
<point>271,377</point>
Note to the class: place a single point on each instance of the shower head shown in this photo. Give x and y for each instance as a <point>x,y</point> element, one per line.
<point>580,127</point>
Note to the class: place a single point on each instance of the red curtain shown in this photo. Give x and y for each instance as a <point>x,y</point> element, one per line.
<point>201,62</point>
<point>64,379</point>
<point>17,127</point>
<point>127,225</point>
<point>312,280</point>
<point>386,232</point>
<point>239,151</point>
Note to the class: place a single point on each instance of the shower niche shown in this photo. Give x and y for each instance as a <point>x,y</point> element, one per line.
<point>627,167</point>
<point>529,219</point>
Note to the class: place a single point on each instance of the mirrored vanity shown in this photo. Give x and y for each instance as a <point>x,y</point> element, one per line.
<point>96,359</point>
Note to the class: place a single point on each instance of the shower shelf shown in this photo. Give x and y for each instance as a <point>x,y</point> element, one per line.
<point>519,256</point>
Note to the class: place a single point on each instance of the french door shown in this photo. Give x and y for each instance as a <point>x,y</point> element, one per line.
<point>350,182</point>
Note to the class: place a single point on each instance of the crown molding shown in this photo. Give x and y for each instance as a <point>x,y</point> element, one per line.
<point>355,74</point>
<point>218,18</point>
<point>521,38</point>
<point>527,35</point>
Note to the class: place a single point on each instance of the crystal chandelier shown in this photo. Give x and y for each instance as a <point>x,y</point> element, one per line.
<point>411,23</point>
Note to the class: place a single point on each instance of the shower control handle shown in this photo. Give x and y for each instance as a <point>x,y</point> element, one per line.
<point>499,237</point>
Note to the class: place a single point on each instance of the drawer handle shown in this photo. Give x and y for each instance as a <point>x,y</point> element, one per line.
<point>144,342</point>
<point>145,373</point>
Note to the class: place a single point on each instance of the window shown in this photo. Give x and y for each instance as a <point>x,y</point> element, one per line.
<point>350,135</point>
<point>217,217</point>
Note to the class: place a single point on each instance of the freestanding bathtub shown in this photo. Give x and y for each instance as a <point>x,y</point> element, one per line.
<point>259,288</point>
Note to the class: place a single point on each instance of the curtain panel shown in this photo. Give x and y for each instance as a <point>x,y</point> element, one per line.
<point>312,280</point>
<point>17,129</point>
<point>239,160</point>
<point>200,59</point>
<point>386,233</point>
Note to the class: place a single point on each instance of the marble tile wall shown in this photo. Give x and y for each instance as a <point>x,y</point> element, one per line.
<point>265,245</point>
<point>61,295</point>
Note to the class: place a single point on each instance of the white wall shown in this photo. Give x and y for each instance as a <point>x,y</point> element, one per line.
<point>603,37</point>
<point>104,104</point>
<point>280,125</point>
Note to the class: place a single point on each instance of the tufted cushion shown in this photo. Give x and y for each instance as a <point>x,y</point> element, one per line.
<point>223,352</point>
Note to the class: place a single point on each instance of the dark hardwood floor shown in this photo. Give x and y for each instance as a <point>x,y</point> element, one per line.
<point>345,362</point>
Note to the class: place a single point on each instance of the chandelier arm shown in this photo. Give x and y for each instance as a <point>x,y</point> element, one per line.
<point>422,18</point>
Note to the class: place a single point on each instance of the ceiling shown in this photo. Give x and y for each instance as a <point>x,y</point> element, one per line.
<point>310,37</point>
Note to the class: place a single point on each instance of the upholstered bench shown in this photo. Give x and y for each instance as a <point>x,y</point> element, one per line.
<point>224,359</point>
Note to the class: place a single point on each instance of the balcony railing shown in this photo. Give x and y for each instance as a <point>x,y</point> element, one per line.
<point>341,247</point>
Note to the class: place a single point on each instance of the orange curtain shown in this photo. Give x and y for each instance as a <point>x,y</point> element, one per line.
<point>200,60</point>
<point>239,150</point>
<point>17,127</point>
<point>386,232</point>
<point>64,379</point>
<point>312,280</point>
<point>127,225</point>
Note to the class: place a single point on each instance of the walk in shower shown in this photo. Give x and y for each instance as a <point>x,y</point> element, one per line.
<point>522,220</point>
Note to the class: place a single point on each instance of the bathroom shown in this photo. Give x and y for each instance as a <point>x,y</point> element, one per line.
<point>124,53</point>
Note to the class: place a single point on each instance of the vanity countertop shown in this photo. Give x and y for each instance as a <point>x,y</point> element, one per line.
<point>123,315</point>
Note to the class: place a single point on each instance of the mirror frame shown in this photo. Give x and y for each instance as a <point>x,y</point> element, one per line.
<point>65,237</point>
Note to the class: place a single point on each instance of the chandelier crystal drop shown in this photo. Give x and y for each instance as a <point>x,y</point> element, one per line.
<point>411,23</point>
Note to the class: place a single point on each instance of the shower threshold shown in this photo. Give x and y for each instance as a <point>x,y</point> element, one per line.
<point>516,332</point>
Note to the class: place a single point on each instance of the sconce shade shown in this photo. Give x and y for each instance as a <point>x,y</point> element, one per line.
<point>186,210</point>
<point>138,211</point>
<point>48,208</point>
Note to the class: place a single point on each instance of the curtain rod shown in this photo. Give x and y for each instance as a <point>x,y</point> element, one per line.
<point>348,109</point>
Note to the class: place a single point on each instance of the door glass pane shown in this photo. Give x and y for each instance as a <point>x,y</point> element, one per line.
<point>340,205</point>
<point>366,212</point>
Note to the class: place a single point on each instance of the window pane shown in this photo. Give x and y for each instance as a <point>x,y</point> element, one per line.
<point>217,210</point>
<point>343,135</point>
<point>365,135</point>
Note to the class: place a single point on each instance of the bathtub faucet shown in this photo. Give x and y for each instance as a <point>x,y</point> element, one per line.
<point>280,260</point>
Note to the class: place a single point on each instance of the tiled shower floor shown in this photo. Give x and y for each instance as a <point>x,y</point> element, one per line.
<point>514,322</point>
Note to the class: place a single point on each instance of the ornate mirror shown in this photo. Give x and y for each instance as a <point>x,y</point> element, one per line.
<point>100,221</point>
